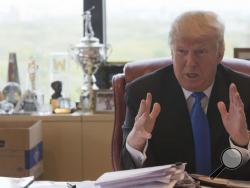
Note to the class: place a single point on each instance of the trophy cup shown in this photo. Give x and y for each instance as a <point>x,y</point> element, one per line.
<point>90,54</point>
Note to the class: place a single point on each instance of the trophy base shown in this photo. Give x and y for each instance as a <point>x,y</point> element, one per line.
<point>87,101</point>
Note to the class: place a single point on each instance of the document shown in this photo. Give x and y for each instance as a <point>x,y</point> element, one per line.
<point>9,182</point>
<point>54,184</point>
<point>144,177</point>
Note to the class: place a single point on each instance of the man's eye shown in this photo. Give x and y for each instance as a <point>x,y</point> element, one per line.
<point>201,52</point>
<point>181,51</point>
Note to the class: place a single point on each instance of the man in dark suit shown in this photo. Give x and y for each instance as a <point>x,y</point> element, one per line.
<point>165,132</point>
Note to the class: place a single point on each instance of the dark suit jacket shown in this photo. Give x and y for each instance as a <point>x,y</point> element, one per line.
<point>172,139</point>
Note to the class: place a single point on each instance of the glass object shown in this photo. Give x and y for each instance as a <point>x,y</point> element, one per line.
<point>6,107</point>
<point>12,92</point>
<point>64,103</point>
<point>44,109</point>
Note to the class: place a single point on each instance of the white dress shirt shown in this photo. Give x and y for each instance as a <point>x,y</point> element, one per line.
<point>140,157</point>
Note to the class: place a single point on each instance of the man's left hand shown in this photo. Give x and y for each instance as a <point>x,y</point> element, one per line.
<point>234,120</point>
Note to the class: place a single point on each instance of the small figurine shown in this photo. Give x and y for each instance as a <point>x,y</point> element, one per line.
<point>28,102</point>
<point>32,70</point>
<point>57,87</point>
<point>88,29</point>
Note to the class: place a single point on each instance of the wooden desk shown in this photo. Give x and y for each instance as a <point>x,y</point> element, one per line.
<point>76,147</point>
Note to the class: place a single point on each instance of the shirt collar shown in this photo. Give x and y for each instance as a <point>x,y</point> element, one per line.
<point>206,91</point>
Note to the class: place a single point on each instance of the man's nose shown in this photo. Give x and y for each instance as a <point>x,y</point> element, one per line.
<point>190,59</point>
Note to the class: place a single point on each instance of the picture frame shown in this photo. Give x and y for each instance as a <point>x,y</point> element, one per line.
<point>104,101</point>
<point>242,53</point>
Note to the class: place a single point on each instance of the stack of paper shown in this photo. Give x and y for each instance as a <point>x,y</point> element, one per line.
<point>164,175</point>
<point>9,182</point>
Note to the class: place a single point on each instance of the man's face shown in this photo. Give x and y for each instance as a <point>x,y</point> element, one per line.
<point>195,62</point>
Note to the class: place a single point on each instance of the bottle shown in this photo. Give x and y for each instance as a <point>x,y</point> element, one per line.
<point>13,69</point>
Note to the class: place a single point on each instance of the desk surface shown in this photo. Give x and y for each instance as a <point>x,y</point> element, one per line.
<point>220,182</point>
<point>84,184</point>
<point>9,182</point>
<point>53,184</point>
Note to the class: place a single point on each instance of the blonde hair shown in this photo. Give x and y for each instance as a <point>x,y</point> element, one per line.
<point>195,24</point>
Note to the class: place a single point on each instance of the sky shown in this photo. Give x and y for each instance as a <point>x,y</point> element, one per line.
<point>172,6</point>
<point>31,9</point>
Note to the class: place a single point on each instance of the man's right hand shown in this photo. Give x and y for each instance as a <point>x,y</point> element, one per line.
<point>144,123</point>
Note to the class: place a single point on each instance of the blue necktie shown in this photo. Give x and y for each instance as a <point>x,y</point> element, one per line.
<point>201,134</point>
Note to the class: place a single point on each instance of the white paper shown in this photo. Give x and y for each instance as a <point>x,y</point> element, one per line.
<point>53,184</point>
<point>163,174</point>
<point>9,182</point>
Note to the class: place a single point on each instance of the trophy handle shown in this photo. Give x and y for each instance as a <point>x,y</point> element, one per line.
<point>70,51</point>
<point>108,51</point>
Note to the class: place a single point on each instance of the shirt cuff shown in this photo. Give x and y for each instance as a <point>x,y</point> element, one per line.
<point>245,152</point>
<point>137,156</point>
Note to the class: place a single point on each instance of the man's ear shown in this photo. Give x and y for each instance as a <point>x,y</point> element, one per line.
<point>221,51</point>
<point>220,55</point>
<point>172,51</point>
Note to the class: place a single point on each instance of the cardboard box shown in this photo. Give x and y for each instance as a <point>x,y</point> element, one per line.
<point>21,149</point>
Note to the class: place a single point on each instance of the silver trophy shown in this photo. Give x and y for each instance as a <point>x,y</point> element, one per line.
<point>90,54</point>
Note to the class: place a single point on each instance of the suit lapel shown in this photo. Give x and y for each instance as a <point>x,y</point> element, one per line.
<point>175,121</point>
<point>218,132</point>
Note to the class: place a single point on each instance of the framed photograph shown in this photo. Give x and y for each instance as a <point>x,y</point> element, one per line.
<point>242,53</point>
<point>104,102</point>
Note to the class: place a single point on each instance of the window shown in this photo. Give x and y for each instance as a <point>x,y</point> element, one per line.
<point>40,29</point>
<point>139,29</point>
<point>135,30</point>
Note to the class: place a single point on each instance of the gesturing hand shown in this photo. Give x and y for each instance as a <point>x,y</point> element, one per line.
<point>234,120</point>
<point>144,123</point>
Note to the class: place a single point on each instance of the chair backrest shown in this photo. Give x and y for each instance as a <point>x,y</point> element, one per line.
<point>132,71</point>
